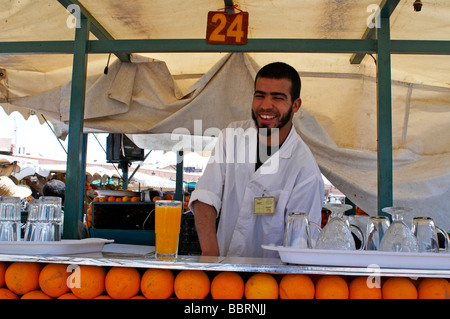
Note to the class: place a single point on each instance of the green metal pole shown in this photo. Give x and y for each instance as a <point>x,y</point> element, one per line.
<point>384,112</point>
<point>72,207</point>
<point>83,174</point>
<point>179,180</point>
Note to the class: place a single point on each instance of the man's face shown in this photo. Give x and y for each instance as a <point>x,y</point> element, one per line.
<point>272,104</point>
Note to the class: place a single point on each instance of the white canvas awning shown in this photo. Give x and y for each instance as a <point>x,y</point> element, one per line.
<point>163,93</point>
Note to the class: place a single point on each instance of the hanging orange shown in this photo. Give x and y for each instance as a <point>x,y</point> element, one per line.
<point>434,288</point>
<point>53,279</point>
<point>157,283</point>
<point>87,282</point>
<point>261,286</point>
<point>191,284</point>
<point>122,282</point>
<point>296,286</point>
<point>22,277</point>
<point>399,288</point>
<point>227,285</point>
<point>7,294</point>
<point>331,287</point>
<point>360,288</point>
<point>35,294</point>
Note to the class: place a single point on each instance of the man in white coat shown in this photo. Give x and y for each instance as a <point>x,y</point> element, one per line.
<point>259,172</point>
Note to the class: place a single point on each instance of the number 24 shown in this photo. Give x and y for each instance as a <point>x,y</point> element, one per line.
<point>233,31</point>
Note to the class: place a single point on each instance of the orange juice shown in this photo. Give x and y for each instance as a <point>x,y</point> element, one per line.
<point>167,228</point>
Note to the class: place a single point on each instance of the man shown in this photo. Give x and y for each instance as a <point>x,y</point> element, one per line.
<point>252,193</point>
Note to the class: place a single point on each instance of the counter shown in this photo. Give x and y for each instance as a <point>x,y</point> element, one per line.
<point>143,257</point>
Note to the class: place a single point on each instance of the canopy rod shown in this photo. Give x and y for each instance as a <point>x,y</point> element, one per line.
<point>54,133</point>
<point>96,28</point>
<point>386,8</point>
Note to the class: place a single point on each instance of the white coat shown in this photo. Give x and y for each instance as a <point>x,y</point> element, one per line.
<point>230,184</point>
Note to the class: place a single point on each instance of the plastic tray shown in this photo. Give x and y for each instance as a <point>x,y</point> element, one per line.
<point>362,258</point>
<point>63,247</point>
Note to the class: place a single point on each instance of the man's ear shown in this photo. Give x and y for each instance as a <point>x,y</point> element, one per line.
<point>296,105</point>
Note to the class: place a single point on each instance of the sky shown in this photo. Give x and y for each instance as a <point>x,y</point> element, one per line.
<point>37,140</point>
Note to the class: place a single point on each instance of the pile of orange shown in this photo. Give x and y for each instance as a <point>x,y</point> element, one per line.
<point>32,280</point>
<point>117,199</point>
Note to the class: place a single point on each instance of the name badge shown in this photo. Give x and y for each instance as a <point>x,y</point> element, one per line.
<point>264,205</point>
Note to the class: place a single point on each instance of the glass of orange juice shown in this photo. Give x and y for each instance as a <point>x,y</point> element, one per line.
<point>167,228</point>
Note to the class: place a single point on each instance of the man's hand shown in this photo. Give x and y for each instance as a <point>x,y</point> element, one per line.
<point>205,223</point>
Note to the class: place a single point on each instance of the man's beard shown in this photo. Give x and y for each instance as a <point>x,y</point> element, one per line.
<point>268,131</point>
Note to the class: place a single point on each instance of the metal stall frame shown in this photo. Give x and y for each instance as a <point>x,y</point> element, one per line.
<point>374,41</point>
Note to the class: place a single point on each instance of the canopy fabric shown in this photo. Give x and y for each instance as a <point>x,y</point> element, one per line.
<point>168,93</point>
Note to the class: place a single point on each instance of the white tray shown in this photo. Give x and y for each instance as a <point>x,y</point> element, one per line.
<point>322,257</point>
<point>63,247</point>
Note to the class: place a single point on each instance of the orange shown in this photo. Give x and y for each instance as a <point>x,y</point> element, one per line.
<point>125,199</point>
<point>103,297</point>
<point>227,285</point>
<point>96,199</point>
<point>434,288</point>
<point>261,286</point>
<point>68,295</point>
<point>111,199</point>
<point>53,280</point>
<point>331,287</point>
<point>3,266</point>
<point>399,288</point>
<point>191,284</point>
<point>296,286</point>
<point>87,282</point>
<point>118,199</point>
<point>35,294</point>
<point>122,282</point>
<point>138,297</point>
<point>359,289</point>
<point>7,294</point>
<point>102,199</point>
<point>22,277</point>
<point>135,199</point>
<point>157,283</point>
<point>168,196</point>
<point>156,198</point>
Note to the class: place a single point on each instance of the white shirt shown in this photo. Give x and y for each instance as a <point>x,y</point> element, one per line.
<point>230,184</point>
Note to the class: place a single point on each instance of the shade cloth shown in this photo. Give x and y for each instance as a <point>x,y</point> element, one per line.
<point>170,93</point>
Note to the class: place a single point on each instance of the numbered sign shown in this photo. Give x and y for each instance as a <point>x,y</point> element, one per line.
<point>227,28</point>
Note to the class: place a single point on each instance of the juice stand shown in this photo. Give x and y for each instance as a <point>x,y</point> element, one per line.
<point>374,167</point>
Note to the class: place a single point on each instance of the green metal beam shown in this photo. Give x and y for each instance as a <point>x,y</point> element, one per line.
<point>253,45</point>
<point>96,28</point>
<point>386,9</point>
<point>428,47</point>
<point>74,171</point>
<point>384,117</point>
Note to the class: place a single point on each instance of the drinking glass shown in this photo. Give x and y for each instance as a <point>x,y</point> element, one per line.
<point>297,233</point>
<point>30,227</point>
<point>167,228</point>
<point>10,225</point>
<point>425,232</point>
<point>49,221</point>
<point>398,237</point>
<point>376,228</point>
<point>337,234</point>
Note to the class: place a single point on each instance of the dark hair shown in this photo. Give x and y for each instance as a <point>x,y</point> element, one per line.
<point>54,187</point>
<point>280,70</point>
